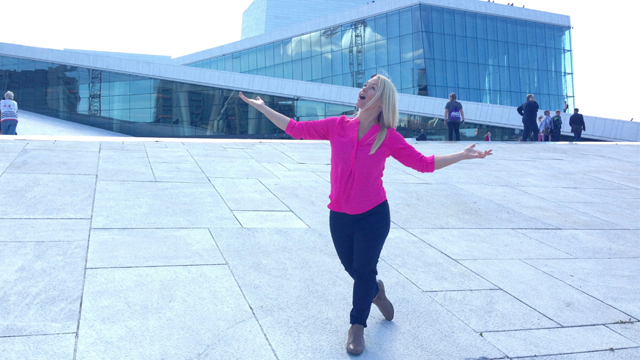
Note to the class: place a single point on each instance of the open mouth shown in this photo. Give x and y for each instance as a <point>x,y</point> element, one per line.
<point>361,97</point>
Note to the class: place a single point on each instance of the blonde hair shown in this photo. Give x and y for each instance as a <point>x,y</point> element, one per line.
<point>8,95</point>
<point>388,117</point>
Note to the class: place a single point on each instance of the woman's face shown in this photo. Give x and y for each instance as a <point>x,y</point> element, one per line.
<point>367,93</point>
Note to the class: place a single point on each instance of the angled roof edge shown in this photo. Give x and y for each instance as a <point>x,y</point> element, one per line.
<point>480,113</point>
<point>369,10</point>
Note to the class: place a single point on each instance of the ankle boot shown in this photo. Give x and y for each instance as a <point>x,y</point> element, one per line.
<point>355,342</point>
<point>383,304</point>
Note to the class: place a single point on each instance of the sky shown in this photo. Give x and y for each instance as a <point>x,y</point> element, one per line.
<point>604,35</point>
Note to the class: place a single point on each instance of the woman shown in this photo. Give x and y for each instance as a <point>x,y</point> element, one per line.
<point>453,116</point>
<point>540,124</point>
<point>9,117</point>
<point>359,219</point>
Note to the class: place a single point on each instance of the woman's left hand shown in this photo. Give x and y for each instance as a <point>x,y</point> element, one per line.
<point>471,153</point>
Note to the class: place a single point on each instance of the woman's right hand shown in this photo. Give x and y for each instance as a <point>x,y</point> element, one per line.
<point>257,103</point>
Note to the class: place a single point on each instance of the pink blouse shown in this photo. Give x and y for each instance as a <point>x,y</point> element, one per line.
<point>356,176</point>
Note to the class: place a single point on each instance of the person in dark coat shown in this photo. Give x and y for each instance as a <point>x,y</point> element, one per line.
<point>529,112</point>
<point>576,122</point>
<point>422,136</point>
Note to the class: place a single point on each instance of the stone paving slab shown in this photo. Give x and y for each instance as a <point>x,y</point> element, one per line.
<point>167,313</point>
<point>58,162</point>
<point>629,330</point>
<point>590,243</point>
<point>47,347</point>
<point>254,195</point>
<point>40,287</point>
<point>152,247</point>
<point>624,354</point>
<point>37,230</point>
<point>557,341</point>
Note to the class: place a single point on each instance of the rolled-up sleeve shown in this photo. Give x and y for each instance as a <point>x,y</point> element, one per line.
<point>311,130</point>
<point>408,156</point>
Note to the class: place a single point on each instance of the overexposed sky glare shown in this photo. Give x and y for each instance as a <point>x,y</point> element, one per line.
<point>604,36</point>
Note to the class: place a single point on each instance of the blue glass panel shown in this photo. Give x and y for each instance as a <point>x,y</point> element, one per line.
<point>483,77</point>
<point>522,31</point>
<point>260,57</point>
<point>336,63</point>
<point>512,30</point>
<point>545,101</point>
<point>503,54</point>
<point>449,22</point>
<point>461,49</point>
<point>395,76</point>
<point>517,98</point>
<point>463,74</point>
<point>501,29</point>
<point>541,53</point>
<point>533,56</point>
<point>426,22</point>
<point>345,62</point>
<point>441,73</point>
<point>450,49</point>
<point>544,82</point>
<point>463,94</point>
<point>140,86</point>
<point>406,24</point>
<point>288,70</point>
<point>472,50</point>
<point>325,38</point>
<point>381,27</point>
<point>505,84</point>
<point>558,36</point>
<point>458,22</point>
<point>481,26</point>
<point>327,80</point>
<point>278,71</point>
<point>305,46</point>
<point>228,63</point>
<point>548,31</point>
<point>368,73</point>
<point>244,61</point>
<point>393,24</point>
<point>531,35</point>
<point>261,72</point>
<point>252,59</point>
<point>316,45</point>
<point>316,67</point>
<point>514,77</point>
<point>523,55</point>
<point>492,30</point>
<point>427,41</point>
<point>513,55</point>
<point>297,69</point>
<point>568,62</point>
<point>494,78</point>
<point>296,48</point>
<point>483,51</point>
<point>270,71</point>
<point>474,95</point>
<point>340,38</point>
<point>431,72</point>
<point>533,80</point>
<point>337,80</point>
<point>407,75</point>
<point>567,39</point>
<point>470,24</point>
<point>347,80</point>
<point>370,56</point>
<point>394,50</point>
<point>418,51</point>
<point>370,31</point>
<point>381,53</point>
<point>406,48</point>
<point>473,76</point>
<point>438,46</point>
<point>326,65</point>
<point>437,20</point>
<point>415,18</point>
<point>383,70</point>
<point>286,50</point>
<point>268,55</point>
<point>452,74</point>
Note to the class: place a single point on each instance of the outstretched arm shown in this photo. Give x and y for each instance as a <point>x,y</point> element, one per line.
<point>278,119</point>
<point>469,152</point>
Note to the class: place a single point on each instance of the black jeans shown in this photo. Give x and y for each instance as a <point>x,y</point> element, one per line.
<point>578,135</point>
<point>530,126</point>
<point>556,135</point>
<point>358,240</point>
<point>454,126</point>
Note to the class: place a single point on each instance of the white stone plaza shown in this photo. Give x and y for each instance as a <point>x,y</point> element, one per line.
<point>139,248</point>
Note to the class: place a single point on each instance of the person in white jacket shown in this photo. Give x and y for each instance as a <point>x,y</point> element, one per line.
<point>8,114</point>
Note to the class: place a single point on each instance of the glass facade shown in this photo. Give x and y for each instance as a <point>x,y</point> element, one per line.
<point>429,51</point>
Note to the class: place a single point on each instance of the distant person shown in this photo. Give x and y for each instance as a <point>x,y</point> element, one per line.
<point>453,116</point>
<point>556,126</point>
<point>487,137</point>
<point>9,117</point>
<point>422,136</point>
<point>540,123</point>
<point>529,111</point>
<point>566,107</point>
<point>545,127</point>
<point>576,122</point>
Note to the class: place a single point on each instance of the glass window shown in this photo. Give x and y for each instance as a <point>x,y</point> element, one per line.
<point>288,70</point>
<point>277,53</point>
<point>381,27</point>
<point>463,74</point>
<point>415,18</point>
<point>394,50</point>
<point>140,101</point>
<point>441,73</point>
<point>306,69</point>
<point>244,61</point>
<point>286,51</point>
<point>483,51</point>
<point>501,27</point>
<point>522,31</point>
<point>338,80</point>
<point>326,65</point>
<point>437,20</point>
<point>297,69</point>
<point>278,71</point>
<point>568,62</point>
<point>345,62</point>
<point>470,24</point>
<point>481,26</point>
<point>406,48</point>
<point>336,63</point>
<point>296,48</point>
<point>425,18</point>
<point>393,24</point>
<point>370,56</point>
<point>458,22</point>
<point>512,30</point>
<point>514,77</point>
<point>492,28</point>
<point>474,76</point>
<point>533,57</point>
<point>431,72</point>
<point>407,75</point>
<point>418,51</point>
<point>461,49</point>
<point>252,59</point>
<point>260,57</point>
<point>513,54</point>
<point>452,74</point>
<point>270,71</point>
<point>305,45</point>
<point>544,82</point>
<point>228,63</point>
<point>505,84</point>
<point>492,53</point>
<point>427,41</point>
<point>268,55</point>
<point>341,40</point>
<point>395,76</point>
<point>369,31</point>
<point>316,44</point>
<point>567,39</point>
<point>439,41</point>
<point>140,87</point>
<point>347,80</point>
<point>325,38</point>
<point>449,22</point>
<point>472,50</point>
<point>381,53</point>
<point>316,67</point>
